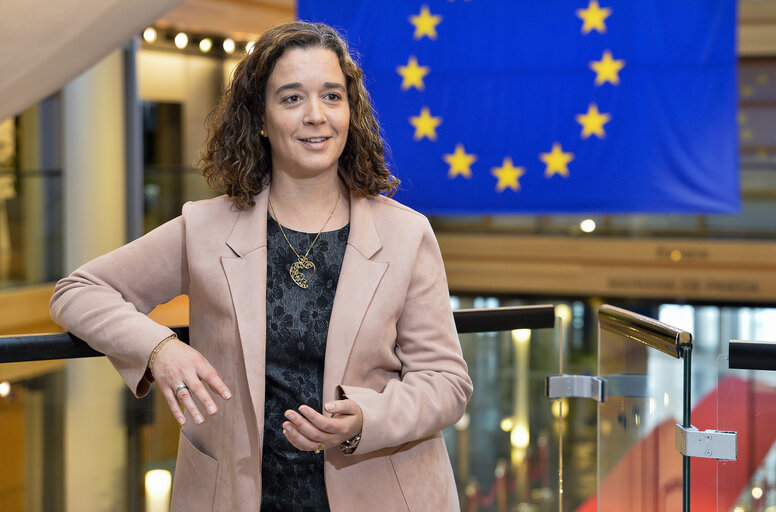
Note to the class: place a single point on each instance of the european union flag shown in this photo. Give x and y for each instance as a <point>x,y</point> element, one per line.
<point>549,107</point>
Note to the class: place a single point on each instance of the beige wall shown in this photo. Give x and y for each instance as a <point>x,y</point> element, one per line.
<point>195,83</point>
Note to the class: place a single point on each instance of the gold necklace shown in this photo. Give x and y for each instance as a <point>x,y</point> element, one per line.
<point>302,263</point>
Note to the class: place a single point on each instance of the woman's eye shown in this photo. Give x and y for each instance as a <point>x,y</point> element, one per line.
<point>333,96</point>
<point>292,99</point>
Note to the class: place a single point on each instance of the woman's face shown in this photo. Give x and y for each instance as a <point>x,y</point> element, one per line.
<point>307,114</point>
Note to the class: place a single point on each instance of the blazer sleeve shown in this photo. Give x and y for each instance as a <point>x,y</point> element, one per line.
<point>434,386</point>
<point>106,301</point>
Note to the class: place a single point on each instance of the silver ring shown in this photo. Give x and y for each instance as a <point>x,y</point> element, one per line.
<point>178,388</point>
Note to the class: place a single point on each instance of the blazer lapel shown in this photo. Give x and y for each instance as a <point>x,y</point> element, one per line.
<point>247,278</point>
<point>358,281</point>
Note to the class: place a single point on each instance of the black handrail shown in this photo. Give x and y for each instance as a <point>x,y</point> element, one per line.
<point>752,355</point>
<point>42,347</point>
<point>504,319</point>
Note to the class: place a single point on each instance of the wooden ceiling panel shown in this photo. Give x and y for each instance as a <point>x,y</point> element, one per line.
<point>241,19</point>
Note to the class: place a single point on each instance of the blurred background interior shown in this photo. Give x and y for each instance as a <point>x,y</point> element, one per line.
<point>111,155</point>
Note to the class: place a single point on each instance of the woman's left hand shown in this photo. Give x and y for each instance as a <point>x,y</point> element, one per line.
<point>307,428</point>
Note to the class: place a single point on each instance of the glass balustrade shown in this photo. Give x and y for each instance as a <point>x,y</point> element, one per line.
<point>506,449</point>
<point>746,404</point>
<point>72,436</point>
<point>639,467</point>
<point>513,450</point>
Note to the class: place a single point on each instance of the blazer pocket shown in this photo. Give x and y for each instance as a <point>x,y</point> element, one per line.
<point>425,475</point>
<point>194,486</point>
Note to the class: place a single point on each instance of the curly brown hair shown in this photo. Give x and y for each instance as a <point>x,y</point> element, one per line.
<point>236,160</point>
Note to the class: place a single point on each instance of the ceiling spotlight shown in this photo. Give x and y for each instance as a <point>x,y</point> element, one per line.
<point>181,40</point>
<point>249,46</point>
<point>5,389</point>
<point>229,45</point>
<point>149,35</point>
<point>587,226</point>
<point>205,45</point>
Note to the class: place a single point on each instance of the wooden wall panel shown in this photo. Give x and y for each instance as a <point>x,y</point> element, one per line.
<point>661,269</point>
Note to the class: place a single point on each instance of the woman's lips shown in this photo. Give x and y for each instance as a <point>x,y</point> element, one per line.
<point>315,142</point>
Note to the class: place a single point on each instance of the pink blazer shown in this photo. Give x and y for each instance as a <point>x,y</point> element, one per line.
<point>392,347</point>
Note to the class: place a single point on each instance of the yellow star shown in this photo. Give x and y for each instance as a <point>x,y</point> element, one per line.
<point>607,68</point>
<point>460,162</point>
<point>557,161</point>
<point>593,17</point>
<point>593,122</point>
<point>412,74</point>
<point>425,23</point>
<point>508,175</point>
<point>425,124</point>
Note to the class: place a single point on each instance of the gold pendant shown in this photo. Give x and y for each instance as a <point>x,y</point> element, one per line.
<point>297,274</point>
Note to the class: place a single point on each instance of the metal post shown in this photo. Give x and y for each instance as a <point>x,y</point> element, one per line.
<point>133,137</point>
<point>687,423</point>
<point>134,142</point>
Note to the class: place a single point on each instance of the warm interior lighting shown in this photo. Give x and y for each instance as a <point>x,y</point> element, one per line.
<point>158,483</point>
<point>676,255</point>
<point>149,35</point>
<point>229,45</point>
<point>560,408</point>
<point>739,508</point>
<point>521,335</point>
<point>249,46</point>
<point>463,423</point>
<point>205,45</point>
<point>757,492</point>
<point>587,226</point>
<point>507,423</point>
<point>181,40</point>
<point>519,437</point>
<point>563,311</point>
<point>5,389</point>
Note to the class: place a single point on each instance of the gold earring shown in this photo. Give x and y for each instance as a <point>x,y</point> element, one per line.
<point>262,132</point>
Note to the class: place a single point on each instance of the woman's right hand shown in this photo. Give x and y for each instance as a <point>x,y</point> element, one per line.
<point>176,364</point>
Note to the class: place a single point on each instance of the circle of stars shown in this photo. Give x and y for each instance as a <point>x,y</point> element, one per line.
<point>556,161</point>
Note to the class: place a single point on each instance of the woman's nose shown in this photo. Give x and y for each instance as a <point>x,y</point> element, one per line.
<point>314,113</point>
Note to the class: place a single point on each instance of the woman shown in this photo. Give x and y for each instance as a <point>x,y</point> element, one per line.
<point>306,287</point>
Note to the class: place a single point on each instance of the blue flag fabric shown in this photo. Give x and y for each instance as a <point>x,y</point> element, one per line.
<point>551,107</point>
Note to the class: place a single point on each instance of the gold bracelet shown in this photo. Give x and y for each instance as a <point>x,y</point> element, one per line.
<point>156,350</point>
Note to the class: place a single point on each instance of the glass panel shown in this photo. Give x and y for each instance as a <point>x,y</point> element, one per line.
<point>639,468</point>
<point>167,181</point>
<point>30,227</point>
<point>505,449</point>
<point>746,404</point>
<point>68,444</point>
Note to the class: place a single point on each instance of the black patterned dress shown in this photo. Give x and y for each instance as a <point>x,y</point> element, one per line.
<point>297,325</point>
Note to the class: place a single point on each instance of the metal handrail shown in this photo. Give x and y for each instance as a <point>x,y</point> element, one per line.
<point>667,339</point>
<point>643,329</point>
<point>752,355</point>
<point>41,347</point>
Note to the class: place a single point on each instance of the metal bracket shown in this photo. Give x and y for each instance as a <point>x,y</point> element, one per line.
<point>575,386</point>
<point>706,444</point>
